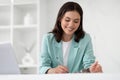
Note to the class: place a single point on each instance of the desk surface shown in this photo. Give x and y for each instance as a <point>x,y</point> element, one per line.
<point>62,77</point>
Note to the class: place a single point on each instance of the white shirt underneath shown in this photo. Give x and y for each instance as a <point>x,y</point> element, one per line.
<point>65,48</point>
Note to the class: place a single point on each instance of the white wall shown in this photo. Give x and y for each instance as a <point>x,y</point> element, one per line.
<point>101,20</point>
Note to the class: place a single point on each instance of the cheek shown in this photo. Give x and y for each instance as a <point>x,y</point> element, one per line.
<point>76,26</point>
<point>63,24</point>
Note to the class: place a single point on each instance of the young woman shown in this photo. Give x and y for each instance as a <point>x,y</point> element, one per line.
<point>67,48</point>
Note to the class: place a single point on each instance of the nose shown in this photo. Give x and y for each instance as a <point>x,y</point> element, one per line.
<point>71,23</point>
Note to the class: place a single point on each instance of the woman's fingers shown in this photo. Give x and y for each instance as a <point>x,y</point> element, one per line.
<point>61,69</point>
<point>64,69</point>
<point>98,68</point>
<point>95,64</point>
<point>58,69</point>
<point>95,67</point>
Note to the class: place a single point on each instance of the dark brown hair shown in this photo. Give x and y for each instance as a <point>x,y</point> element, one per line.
<point>68,6</point>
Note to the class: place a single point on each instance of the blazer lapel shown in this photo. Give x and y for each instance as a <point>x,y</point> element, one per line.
<point>72,54</point>
<point>58,53</point>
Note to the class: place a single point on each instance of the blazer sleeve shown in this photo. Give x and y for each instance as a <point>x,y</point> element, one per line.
<point>89,57</point>
<point>45,61</point>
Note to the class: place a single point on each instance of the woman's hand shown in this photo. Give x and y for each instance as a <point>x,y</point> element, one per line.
<point>95,68</point>
<point>58,69</point>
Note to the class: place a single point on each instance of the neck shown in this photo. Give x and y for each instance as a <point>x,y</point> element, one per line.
<point>66,38</point>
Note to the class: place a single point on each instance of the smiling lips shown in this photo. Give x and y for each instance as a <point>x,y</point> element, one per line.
<point>70,28</point>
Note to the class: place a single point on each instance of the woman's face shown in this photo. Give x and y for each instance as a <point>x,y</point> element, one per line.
<point>70,22</point>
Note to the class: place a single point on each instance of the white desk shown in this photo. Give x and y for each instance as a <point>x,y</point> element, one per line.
<point>62,77</point>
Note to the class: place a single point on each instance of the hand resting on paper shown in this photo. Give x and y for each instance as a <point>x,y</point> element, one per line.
<point>58,69</point>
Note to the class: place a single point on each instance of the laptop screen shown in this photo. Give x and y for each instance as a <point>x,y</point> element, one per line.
<point>8,62</point>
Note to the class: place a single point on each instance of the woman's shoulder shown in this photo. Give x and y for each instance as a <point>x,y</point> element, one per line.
<point>48,35</point>
<point>86,37</point>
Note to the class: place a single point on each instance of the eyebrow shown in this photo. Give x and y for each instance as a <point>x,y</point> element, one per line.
<point>74,19</point>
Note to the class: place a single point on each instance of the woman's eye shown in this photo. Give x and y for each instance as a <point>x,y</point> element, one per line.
<point>67,20</point>
<point>76,21</point>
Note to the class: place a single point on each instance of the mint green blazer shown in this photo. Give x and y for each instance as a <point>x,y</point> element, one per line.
<point>80,54</point>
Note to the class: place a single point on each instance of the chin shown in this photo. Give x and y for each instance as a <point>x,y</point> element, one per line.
<point>69,34</point>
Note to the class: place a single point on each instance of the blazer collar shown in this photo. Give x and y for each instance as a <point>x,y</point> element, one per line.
<point>59,44</point>
<point>75,44</point>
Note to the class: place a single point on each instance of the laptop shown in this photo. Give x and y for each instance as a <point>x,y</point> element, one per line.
<point>8,62</point>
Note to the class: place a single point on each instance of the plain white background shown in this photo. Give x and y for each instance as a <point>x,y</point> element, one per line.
<point>101,21</point>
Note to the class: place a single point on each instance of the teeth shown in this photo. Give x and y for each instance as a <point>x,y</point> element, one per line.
<point>70,29</point>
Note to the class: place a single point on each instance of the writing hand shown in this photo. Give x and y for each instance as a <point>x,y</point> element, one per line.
<point>95,68</point>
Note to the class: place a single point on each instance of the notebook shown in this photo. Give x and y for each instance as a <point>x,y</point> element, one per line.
<point>8,62</point>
